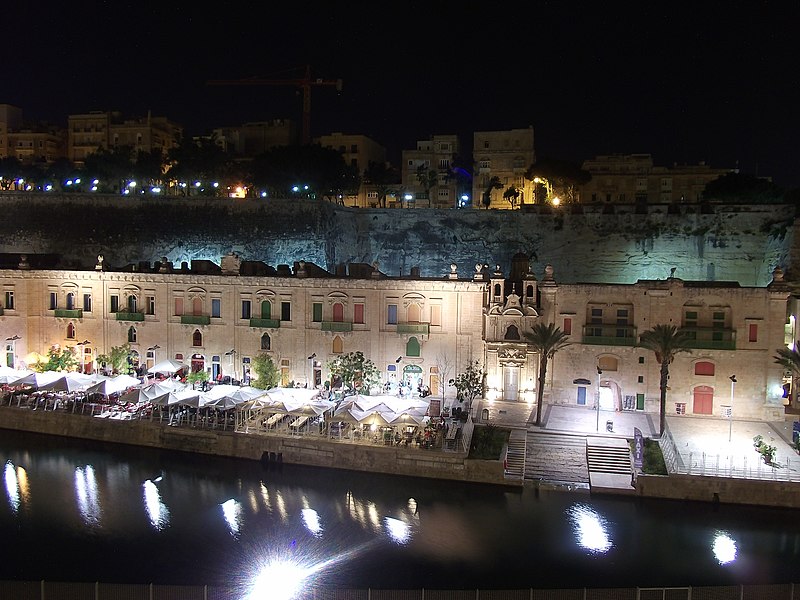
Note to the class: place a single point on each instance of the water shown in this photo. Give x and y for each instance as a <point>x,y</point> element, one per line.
<point>79,511</point>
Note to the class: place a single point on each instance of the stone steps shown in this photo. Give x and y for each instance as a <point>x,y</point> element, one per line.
<point>515,456</point>
<point>557,458</point>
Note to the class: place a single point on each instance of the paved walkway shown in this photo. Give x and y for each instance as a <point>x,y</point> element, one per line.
<point>555,455</point>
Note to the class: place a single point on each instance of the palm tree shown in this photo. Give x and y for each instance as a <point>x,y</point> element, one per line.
<point>666,341</point>
<point>493,184</point>
<point>546,340</point>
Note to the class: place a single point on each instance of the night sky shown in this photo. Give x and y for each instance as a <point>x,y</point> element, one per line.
<point>685,82</point>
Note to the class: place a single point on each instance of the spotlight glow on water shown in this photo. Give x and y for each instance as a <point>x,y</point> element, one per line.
<point>87,495</point>
<point>279,580</point>
<point>591,530</point>
<point>398,531</point>
<point>232,511</point>
<point>724,548</point>
<point>157,511</point>
<point>311,521</point>
<point>12,486</point>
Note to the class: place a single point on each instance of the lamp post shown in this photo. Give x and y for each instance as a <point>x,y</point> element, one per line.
<point>730,418</point>
<point>599,372</point>
<point>13,339</point>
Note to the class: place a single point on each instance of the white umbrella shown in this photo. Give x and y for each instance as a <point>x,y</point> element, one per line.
<point>69,382</point>
<point>38,379</point>
<point>293,395</point>
<point>9,375</point>
<point>311,409</point>
<point>168,367</point>
<point>107,387</point>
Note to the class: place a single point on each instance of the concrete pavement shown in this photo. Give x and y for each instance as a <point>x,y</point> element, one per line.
<point>704,439</point>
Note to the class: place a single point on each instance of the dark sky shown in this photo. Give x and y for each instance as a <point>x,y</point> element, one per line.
<point>685,82</point>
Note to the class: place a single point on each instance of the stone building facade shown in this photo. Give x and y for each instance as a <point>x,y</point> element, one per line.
<point>420,330</point>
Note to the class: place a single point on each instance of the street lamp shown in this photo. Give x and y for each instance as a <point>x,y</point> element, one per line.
<point>13,339</point>
<point>730,418</point>
<point>599,372</point>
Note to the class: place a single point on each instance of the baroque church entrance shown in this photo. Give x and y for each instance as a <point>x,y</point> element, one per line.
<point>511,382</point>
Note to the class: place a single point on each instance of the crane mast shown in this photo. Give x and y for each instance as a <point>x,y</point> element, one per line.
<point>304,83</point>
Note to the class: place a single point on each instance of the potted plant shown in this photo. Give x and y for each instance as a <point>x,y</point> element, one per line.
<point>766,451</point>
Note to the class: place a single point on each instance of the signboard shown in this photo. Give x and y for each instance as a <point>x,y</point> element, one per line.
<point>638,448</point>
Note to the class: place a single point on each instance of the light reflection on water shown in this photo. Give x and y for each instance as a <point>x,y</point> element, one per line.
<point>235,517</point>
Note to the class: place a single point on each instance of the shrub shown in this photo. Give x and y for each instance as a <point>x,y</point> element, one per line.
<point>487,442</point>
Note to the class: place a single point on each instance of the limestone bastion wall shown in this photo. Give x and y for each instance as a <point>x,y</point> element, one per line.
<point>726,243</point>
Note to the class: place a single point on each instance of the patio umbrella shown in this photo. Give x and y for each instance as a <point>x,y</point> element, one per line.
<point>110,386</point>
<point>8,375</point>
<point>38,379</point>
<point>292,394</point>
<point>311,409</point>
<point>69,382</point>
<point>167,367</point>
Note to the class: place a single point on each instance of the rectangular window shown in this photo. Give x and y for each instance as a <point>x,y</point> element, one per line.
<point>753,333</point>
<point>178,307</point>
<point>436,315</point>
<point>316,312</point>
<point>216,303</point>
<point>641,360</point>
<point>391,314</point>
<point>597,316</point>
<point>622,316</point>
<point>151,305</point>
<point>245,309</point>
<point>87,303</point>
<point>640,379</point>
<point>286,311</point>
<point>690,318</point>
<point>568,325</point>
<point>718,320</point>
<point>9,301</point>
<point>114,303</point>
<point>358,312</point>
<point>53,300</point>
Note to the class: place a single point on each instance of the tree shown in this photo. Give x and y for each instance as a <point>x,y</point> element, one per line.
<point>58,360</point>
<point>117,359</point>
<point>493,184</point>
<point>469,383</point>
<point>111,166</point>
<point>356,372</point>
<point>563,177</point>
<point>444,365</point>
<point>196,377</point>
<point>546,340</point>
<point>511,195</point>
<point>266,375</point>
<point>739,187</point>
<point>427,178</point>
<point>383,178</point>
<point>789,360</point>
<point>666,341</point>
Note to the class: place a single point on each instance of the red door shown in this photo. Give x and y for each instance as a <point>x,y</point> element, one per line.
<point>703,400</point>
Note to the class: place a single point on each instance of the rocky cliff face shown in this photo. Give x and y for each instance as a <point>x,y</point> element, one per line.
<point>731,243</point>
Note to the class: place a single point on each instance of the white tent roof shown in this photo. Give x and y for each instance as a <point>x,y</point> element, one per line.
<point>168,366</point>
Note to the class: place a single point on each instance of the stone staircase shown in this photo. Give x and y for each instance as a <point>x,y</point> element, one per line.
<point>609,463</point>
<point>515,456</point>
<point>556,458</point>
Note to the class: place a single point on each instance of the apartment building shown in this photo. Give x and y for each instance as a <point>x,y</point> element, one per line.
<point>358,151</point>
<point>634,178</point>
<point>421,330</point>
<point>251,139</point>
<point>426,174</point>
<point>506,155</point>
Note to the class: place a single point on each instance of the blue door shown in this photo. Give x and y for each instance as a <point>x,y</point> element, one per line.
<point>581,395</point>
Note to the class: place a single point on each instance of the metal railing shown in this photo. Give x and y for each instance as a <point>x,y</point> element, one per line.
<point>735,466</point>
<point>41,590</point>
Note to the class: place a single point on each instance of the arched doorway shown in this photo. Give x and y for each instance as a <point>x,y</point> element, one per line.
<point>412,376</point>
<point>198,363</point>
<point>703,400</point>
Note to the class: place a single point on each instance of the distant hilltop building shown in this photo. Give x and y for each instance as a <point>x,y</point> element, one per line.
<point>633,178</point>
<point>435,174</point>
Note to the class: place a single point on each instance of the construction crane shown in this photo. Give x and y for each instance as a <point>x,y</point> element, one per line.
<point>304,83</point>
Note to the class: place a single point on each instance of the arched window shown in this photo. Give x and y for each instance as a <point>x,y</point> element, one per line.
<point>70,301</point>
<point>71,331</point>
<point>412,347</point>
<point>338,346</point>
<point>132,334</point>
<point>197,307</point>
<point>132,303</point>
<point>413,313</point>
<point>266,342</point>
<point>338,312</point>
<point>197,338</point>
<point>266,310</point>
<point>512,333</point>
<point>703,367</point>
